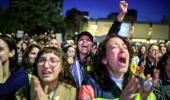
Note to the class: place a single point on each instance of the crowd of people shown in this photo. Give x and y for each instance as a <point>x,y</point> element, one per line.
<point>42,68</point>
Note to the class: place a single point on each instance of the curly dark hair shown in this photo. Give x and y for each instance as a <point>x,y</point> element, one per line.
<point>100,70</point>
<point>57,51</point>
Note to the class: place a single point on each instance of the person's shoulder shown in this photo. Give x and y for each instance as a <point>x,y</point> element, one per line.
<point>19,76</point>
<point>67,86</point>
<point>19,72</point>
<point>65,91</point>
<point>89,80</point>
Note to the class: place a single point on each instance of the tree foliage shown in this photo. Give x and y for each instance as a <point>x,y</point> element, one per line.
<point>75,21</point>
<point>165,20</point>
<point>32,16</point>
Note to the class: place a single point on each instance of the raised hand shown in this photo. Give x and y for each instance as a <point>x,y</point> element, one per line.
<point>145,92</point>
<point>38,92</point>
<point>130,89</point>
<point>123,6</point>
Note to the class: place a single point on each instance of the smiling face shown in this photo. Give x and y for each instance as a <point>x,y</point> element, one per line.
<point>163,50</point>
<point>49,66</point>
<point>116,57</point>
<point>32,55</point>
<point>84,45</point>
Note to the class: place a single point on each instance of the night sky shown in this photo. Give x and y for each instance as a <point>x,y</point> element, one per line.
<point>4,3</point>
<point>148,10</point>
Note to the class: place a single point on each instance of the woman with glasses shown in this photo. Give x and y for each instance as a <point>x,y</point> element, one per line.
<point>48,82</point>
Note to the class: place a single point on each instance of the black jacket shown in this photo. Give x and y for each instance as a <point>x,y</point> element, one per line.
<point>108,90</point>
<point>148,66</point>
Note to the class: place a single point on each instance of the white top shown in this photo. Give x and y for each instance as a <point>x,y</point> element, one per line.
<point>118,82</point>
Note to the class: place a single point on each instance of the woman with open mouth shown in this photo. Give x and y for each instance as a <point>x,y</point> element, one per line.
<point>48,80</point>
<point>112,77</point>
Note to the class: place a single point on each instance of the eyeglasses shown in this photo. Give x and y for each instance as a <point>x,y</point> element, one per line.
<point>51,61</point>
<point>154,50</point>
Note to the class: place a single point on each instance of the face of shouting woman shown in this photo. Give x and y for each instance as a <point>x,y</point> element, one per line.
<point>84,45</point>
<point>116,57</point>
